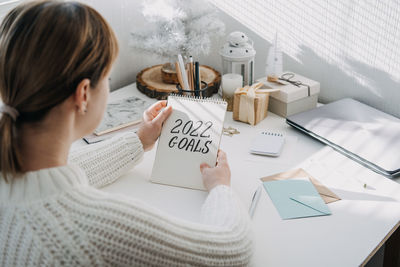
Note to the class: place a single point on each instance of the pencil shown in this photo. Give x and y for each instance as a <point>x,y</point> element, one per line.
<point>183,72</point>
<point>188,71</point>
<point>179,74</point>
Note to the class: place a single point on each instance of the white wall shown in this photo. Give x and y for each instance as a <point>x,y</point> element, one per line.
<point>351,47</point>
<point>342,57</point>
<point>124,16</point>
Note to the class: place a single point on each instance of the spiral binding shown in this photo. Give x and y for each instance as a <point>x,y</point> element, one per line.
<point>199,99</point>
<point>272,134</point>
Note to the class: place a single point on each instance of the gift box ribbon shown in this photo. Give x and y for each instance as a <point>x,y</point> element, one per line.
<point>247,111</point>
<point>287,78</point>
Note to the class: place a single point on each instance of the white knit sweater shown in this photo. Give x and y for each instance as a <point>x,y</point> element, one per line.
<point>56,216</point>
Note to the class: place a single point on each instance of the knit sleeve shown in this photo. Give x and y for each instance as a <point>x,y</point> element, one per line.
<point>127,232</point>
<point>222,207</point>
<point>106,161</point>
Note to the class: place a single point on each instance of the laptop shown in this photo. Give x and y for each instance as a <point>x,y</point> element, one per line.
<point>367,135</point>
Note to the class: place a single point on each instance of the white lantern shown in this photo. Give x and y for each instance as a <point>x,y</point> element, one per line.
<point>238,56</point>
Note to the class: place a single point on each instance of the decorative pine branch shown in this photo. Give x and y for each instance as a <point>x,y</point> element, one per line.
<point>178,27</point>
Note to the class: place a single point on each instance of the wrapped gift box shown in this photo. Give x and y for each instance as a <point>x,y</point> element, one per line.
<point>250,104</point>
<point>298,95</point>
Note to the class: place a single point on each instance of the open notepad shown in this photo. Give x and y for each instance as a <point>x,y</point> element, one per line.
<point>189,137</point>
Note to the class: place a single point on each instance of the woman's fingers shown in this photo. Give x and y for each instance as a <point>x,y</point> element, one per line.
<point>221,158</point>
<point>162,116</point>
<point>158,105</point>
<point>154,109</point>
<point>204,166</point>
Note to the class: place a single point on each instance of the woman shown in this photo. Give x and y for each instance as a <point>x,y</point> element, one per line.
<point>55,58</point>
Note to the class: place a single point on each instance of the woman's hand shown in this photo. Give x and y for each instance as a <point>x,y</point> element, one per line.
<point>153,118</point>
<point>218,175</point>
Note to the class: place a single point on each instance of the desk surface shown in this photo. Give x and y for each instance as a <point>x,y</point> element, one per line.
<point>359,224</point>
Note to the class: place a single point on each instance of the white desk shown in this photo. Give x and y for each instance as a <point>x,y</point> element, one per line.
<point>358,226</point>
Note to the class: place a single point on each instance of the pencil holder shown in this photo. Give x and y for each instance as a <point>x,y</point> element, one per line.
<point>199,93</point>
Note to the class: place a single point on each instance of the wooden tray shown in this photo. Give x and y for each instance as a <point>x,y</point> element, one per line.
<point>149,82</point>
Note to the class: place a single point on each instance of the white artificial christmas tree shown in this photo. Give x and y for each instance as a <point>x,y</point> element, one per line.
<point>177,27</point>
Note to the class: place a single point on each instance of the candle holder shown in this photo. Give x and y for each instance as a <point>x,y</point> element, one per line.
<point>230,82</point>
<point>238,56</point>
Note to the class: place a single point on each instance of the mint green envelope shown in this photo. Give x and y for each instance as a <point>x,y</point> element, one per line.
<point>296,199</point>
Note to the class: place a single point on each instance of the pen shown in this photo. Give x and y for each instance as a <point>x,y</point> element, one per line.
<point>197,78</point>
<point>254,201</point>
<point>191,68</point>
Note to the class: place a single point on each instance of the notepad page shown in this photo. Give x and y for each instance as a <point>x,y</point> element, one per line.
<point>189,137</point>
<point>268,143</point>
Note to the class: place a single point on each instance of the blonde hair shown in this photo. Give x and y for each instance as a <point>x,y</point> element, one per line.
<point>46,49</point>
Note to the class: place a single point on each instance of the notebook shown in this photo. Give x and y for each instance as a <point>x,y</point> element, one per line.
<point>189,137</point>
<point>267,143</point>
<point>121,114</point>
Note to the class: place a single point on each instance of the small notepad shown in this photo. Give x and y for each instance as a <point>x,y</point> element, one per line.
<point>268,143</point>
<point>189,137</point>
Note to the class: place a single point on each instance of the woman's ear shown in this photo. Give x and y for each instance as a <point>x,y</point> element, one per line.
<point>82,96</point>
